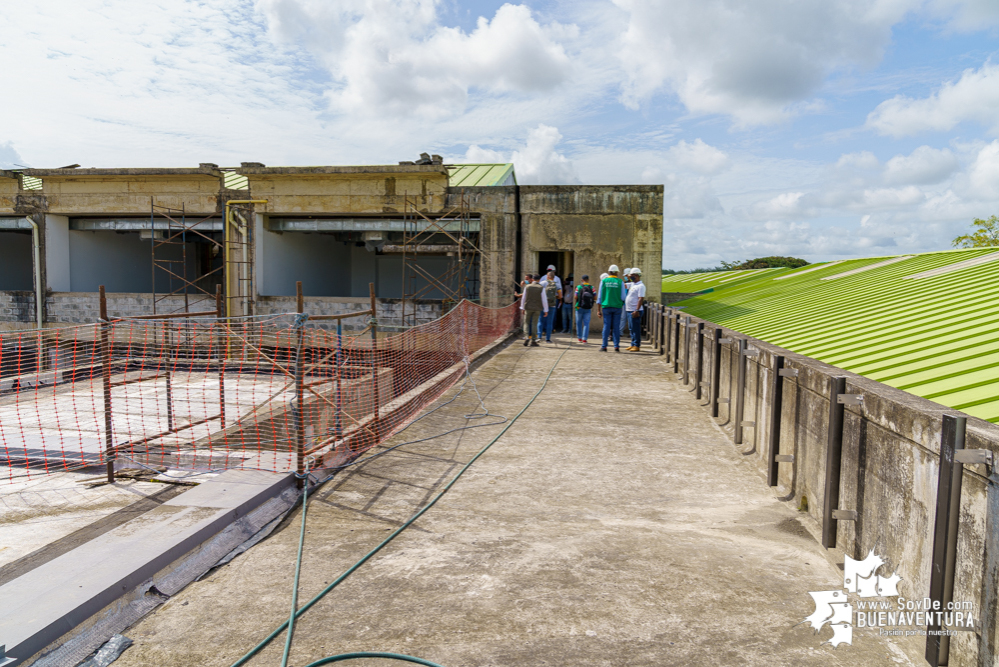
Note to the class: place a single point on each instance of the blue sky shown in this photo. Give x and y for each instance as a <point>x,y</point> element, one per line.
<point>811,128</point>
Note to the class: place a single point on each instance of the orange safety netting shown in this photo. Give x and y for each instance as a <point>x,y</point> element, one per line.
<point>204,394</point>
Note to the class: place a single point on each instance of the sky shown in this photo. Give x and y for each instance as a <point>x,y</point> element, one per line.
<point>820,129</point>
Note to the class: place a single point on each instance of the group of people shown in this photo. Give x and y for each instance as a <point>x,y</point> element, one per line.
<point>619,302</point>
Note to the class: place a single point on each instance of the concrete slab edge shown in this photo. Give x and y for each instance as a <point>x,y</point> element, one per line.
<point>94,623</point>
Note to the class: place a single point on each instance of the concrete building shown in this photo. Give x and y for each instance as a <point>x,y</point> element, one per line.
<point>423,232</point>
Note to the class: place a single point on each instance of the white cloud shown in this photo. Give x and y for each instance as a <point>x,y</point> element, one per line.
<point>974,97</point>
<point>537,162</point>
<point>862,160</point>
<point>9,156</point>
<point>983,175</point>
<point>787,205</point>
<point>393,57</point>
<point>924,166</point>
<point>699,157</point>
<point>757,62</point>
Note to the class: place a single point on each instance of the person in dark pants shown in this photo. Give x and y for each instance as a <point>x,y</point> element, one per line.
<point>610,299</point>
<point>633,306</point>
<point>534,304</point>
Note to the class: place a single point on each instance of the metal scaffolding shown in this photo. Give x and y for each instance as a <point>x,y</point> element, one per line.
<point>169,236</point>
<point>450,235</point>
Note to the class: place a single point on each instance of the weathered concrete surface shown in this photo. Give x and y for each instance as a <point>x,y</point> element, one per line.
<point>890,469</point>
<point>613,524</point>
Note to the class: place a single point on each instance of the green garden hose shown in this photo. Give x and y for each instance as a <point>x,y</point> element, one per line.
<point>336,582</point>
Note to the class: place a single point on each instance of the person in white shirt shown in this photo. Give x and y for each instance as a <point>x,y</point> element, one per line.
<point>633,306</point>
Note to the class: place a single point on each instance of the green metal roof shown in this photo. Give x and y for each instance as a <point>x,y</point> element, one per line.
<point>701,282</point>
<point>478,175</point>
<point>927,324</point>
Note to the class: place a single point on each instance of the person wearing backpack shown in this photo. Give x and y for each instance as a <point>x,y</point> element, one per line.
<point>610,299</point>
<point>584,299</point>
<point>534,304</point>
<point>553,292</point>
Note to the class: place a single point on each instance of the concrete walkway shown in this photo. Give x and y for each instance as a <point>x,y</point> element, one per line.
<point>613,524</point>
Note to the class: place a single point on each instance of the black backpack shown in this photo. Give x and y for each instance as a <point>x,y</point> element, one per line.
<point>551,293</point>
<point>585,299</point>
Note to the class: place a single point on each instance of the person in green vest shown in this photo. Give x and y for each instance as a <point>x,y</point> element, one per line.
<point>610,299</point>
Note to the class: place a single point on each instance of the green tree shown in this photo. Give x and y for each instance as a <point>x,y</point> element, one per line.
<point>986,234</point>
<point>766,263</point>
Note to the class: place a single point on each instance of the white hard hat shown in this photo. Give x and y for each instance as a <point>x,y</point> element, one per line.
<point>627,271</point>
<point>551,268</point>
<point>613,269</point>
<point>603,275</point>
<point>636,271</point>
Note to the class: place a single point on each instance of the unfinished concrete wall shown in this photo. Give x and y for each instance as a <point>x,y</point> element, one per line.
<point>320,261</point>
<point>497,208</point>
<point>890,467</point>
<point>389,310</point>
<point>88,191</point>
<point>375,189</point>
<point>601,224</point>
<point>8,192</point>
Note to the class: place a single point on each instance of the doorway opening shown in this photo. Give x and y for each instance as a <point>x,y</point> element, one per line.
<point>561,260</point>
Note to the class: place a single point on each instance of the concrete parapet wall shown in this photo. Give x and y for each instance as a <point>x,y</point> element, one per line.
<point>672,297</point>
<point>889,474</point>
<point>389,310</point>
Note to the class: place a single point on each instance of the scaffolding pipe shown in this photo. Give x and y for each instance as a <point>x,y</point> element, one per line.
<point>36,249</point>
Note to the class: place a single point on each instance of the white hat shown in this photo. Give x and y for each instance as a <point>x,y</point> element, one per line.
<point>636,271</point>
<point>613,269</point>
<point>603,275</point>
<point>627,272</point>
<point>551,267</point>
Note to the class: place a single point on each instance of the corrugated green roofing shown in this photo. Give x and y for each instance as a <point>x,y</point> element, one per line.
<point>477,175</point>
<point>700,282</point>
<point>927,324</point>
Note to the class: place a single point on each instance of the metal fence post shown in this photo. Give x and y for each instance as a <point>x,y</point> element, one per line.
<point>663,336</point>
<point>669,337</point>
<point>699,360</point>
<point>106,377</point>
<point>715,371</point>
<point>686,351</point>
<point>945,526</point>
<point>834,460</point>
<point>374,358</point>
<point>221,353</point>
<point>300,387</point>
<point>776,403</point>
<point>740,391</point>
<point>676,341</point>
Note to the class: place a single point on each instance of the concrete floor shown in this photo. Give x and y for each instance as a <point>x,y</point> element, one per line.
<point>613,524</point>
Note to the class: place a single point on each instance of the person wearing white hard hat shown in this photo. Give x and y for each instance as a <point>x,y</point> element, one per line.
<point>633,307</point>
<point>610,299</point>
<point>626,277</point>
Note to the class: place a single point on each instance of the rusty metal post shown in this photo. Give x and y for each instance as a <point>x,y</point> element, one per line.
<point>676,341</point>
<point>106,376</point>
<point>374,359</point>
<point>834,461</point>
<point>299,413</point>
<point>740,392</point>
<point>221,352</point>
<point>715,371</point>
<point>699,360</point>
<point>776,413</point>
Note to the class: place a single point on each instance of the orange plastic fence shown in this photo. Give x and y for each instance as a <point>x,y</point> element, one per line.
<point>204,394</point>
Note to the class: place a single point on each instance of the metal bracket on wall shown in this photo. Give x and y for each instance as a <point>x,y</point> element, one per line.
<point>705,384</point>
<point>784,458</point>
<point>724,400</point>
<point>727,340</point>
<point>746,424</point>
<point>751,352</point>
<point>788,372</point>
<point>845,515</point>
<point>850,399</point>
<point>974,456</point>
